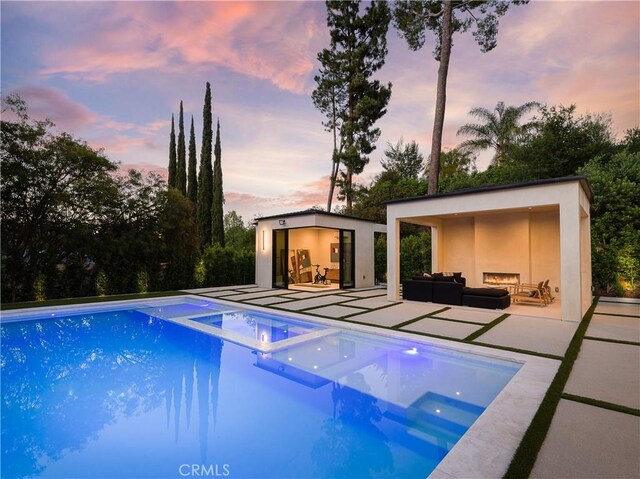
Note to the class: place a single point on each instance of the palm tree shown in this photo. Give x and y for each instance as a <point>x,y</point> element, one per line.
<point>499,129</point>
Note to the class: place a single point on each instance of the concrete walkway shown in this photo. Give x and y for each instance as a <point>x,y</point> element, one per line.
<point>595,432</point>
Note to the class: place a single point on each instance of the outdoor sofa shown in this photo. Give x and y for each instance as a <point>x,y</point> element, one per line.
<point>438,288</point>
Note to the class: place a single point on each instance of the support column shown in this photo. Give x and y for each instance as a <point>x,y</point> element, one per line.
<point>570,267</point>
<point>393,259</point>
<point>435,253</point>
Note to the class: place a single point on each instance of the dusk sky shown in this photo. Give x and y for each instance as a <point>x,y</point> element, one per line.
<point>112,73</point>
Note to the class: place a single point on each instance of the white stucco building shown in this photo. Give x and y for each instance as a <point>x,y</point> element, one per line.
<point>533,231</point>
<point>292,248</point>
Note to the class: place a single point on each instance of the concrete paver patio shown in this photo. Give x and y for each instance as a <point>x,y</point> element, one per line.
<point>440,327</point>
<point>541,335</point>
<point>621,328</point>
<point>608,372</point>
<point>568,453</point>
<point>608,307</point>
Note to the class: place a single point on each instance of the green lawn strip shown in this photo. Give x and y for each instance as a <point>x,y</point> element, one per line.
<point>88,299</point>
<point>614,341</point>
<point>619,315</point>
<point>463,321</point>
<point>370,310</point>
<point>602,404</point>
<point>409,321</point>
<point>487,327</point>
<point>525,456</point>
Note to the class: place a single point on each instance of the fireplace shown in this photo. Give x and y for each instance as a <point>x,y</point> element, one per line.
<point>501,278</point>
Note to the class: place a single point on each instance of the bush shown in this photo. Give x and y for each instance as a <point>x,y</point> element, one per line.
<point>380,264</point>
<point>224,266</point>
<point>415,255</point>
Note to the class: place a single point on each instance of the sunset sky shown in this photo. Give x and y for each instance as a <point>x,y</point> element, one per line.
<point>112,73</point>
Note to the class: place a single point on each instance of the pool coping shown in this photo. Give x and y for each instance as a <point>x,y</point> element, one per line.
<point>485,450</point>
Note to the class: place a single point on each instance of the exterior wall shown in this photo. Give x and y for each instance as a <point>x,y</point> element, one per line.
<point>521,242</point>
<point>364,244</point>
<point>502,245</point>
<point>585,251</point>
<point>457,248</point>
<point>557,249</point>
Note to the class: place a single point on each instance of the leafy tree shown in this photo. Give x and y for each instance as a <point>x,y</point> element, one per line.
<point>388,185</point>
<point>444,18</point>
<point>238,235</point>
<point>53,187</point>
<point>631,141</point>
<point>179,233</point>
<point>205,178</point>
<point>328,95</point>
<point>217,214</point>
<point>456,162</point>
<point>615,219</point>
<point>192,189</point>
<point>172,156</point>
<point>406,160</point>
<point>499,129</point>
<point>181,170</point>
<point>345,92</point>
<point>128,238</point>
<point>415,255</point>
<point>560,143</point>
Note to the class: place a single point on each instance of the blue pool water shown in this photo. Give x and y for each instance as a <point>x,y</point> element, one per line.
<point>126,393</point>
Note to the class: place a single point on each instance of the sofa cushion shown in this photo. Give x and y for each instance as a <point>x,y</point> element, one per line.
<point>448,279</point>
<point>491,292</point>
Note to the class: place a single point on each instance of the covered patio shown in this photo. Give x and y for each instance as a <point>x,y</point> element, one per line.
<point>504,235</point>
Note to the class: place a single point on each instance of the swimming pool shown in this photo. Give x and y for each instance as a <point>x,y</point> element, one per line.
<point>190,387</point>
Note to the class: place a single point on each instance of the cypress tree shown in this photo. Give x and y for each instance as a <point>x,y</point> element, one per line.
<point>192,184</point>
<point>217,220</point>
<point>172,156</point>
<point>205,185</point>
<point>181,169</point>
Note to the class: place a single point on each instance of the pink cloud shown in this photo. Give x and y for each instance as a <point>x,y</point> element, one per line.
<point>52,104</point>
<point>270,41</point>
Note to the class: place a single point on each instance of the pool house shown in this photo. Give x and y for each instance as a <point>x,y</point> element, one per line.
<point>315,249</point>
<point>500,236</point>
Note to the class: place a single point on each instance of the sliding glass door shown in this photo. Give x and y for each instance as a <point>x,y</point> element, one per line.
<point>280,249</point>
<point>347,259</point>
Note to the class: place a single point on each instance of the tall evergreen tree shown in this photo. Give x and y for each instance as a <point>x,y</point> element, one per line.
<point>205,183</point>
<point>172,156</point>
<point>181,169</point>
<point>414,18</point>
<point>192,184</point>
<point>345,93</point>
<point>217,215</point>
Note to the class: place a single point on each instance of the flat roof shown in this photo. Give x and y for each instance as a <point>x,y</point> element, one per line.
<point>314,212</point>
<point>510,186</point>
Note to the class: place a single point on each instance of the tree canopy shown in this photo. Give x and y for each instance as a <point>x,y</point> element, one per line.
<point>414,18</point>
<point>499,129</point>
<point>346,92</point>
